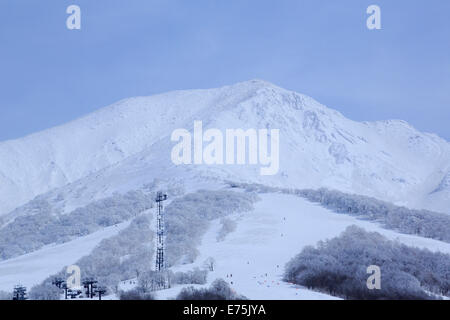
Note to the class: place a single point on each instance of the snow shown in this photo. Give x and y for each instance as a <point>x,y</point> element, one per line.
<point>128,143</point>
<point>33,268</point>
<point>267,238</point>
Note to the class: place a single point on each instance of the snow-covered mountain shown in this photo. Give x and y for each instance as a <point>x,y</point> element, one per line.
<point>252,229</point>
<point>127,144</point>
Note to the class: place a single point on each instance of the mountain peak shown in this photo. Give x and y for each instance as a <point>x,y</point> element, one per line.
<point>329,149</point>
<point>257,83</point>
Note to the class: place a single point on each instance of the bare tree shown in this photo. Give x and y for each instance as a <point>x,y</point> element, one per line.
<point>210,264</point>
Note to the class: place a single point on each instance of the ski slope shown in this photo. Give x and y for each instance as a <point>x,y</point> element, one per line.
<point>127,146</point>
<point>268,237</point>
<point>33,268</point>
<point>251,258</point>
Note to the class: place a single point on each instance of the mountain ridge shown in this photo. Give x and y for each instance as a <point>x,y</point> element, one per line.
<point>133,134</point>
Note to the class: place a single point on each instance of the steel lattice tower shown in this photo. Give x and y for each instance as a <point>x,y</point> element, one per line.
<point>20,293</point>
<point>160,250</point>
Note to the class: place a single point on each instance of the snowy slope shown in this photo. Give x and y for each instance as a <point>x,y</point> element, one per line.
<point>33,268</point>
<point>277,229</point>
<point>127,145</point>
<point>53,158</point>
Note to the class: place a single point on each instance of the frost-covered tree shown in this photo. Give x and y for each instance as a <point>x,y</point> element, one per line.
<point>424,223</point>
<point>339,267</point>
<point>6,295</point>
<point>30,232</point>
<point>228,226</point>
<point>210,263</point>
<point>187,219</point>
<point>129,254</point>
<point>136,294</point>
<point>45,291</point>
<point>196,276</point>
<point>219,290</point>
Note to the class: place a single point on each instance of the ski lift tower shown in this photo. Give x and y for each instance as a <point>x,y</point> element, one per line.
<point>160,259</point>
<point>20,293</point>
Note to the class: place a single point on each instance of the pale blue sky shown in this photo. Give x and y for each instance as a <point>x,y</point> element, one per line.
<point>50,75</point>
